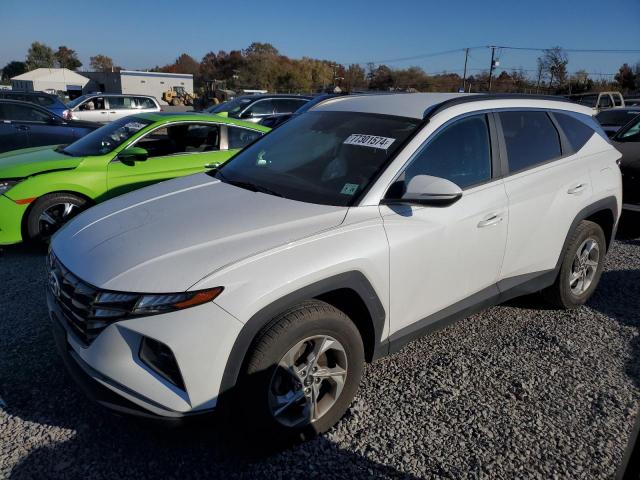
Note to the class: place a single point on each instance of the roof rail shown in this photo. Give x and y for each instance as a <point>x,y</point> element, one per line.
<point>478,97</point>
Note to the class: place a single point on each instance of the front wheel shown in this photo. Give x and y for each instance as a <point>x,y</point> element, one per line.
<point>302,374</point>
<point>51,212</point>
<point>581,267</point>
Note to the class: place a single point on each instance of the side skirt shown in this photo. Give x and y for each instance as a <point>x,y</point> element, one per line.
<point>501,292</point>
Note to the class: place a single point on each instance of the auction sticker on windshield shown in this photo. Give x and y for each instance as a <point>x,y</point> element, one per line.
<point>369,141</point>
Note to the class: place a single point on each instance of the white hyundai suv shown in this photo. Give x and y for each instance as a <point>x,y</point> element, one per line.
<point>262,287</point>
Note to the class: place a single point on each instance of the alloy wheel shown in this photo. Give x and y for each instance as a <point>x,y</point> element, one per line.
<point>54,217</point>
<point>584,267</point>
<point>308,381</point>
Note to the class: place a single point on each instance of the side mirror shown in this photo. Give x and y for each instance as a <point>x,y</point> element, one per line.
<point>246,115</point>
<point>133,154</point>
<point>222,114</point>
<point>55,121</point>
<point>428,190</point>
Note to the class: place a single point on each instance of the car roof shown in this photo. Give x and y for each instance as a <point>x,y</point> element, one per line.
<point>33,94</point>
<point>23,103</point>
<point>88,95</point>
<point>197,116</point>
<point>418,105</point>
<point>276,95</point>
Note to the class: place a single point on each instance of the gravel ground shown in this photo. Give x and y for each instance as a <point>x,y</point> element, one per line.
<point>517,391</point>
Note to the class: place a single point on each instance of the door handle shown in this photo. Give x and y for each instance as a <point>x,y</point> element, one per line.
<point>22,127</point>
<point>103,113</point>
<point>576,190</point>
<point>490,220</point>
<point>212,165</point>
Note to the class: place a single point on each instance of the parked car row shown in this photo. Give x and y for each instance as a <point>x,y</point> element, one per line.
<point>261,286</point>
<point>262,279</point>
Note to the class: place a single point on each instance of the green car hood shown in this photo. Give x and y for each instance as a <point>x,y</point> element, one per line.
<point>30,161</point>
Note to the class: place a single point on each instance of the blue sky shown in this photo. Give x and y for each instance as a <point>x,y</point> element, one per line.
<point>138,34</point>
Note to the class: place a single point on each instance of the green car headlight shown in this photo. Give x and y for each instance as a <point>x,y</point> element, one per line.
<point>6,185</point>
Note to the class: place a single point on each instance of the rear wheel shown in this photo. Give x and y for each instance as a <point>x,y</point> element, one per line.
<point>581,267</point>
<point>302,374</point>
<point>51,212</point>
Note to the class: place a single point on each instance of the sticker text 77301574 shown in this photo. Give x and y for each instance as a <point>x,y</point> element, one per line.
<point>369,141</point>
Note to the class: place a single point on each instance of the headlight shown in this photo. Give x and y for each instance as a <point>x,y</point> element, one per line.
<point>6,185</point>
<point>112,305</point>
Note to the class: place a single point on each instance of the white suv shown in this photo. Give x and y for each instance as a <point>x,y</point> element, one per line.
<point>263,287</point>
<point>107,107</point>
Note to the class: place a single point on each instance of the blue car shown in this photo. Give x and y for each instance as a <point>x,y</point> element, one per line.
<point>24,125</point>
<point>46,100</point>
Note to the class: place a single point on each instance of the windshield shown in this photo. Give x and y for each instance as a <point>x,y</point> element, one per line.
<point>234,106</point>
<point>616,117</point>
<point>328,158</point>
<point>630,132</point>
<point>588,100</point>
<point>77,101</point>
<point>106,139</point>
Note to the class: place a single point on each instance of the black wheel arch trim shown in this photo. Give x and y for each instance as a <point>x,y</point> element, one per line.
<point>351,280</point>
<point>607,203</point>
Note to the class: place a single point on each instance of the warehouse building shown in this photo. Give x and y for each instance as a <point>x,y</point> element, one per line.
<point>50,80</point>
<point>136,82</point>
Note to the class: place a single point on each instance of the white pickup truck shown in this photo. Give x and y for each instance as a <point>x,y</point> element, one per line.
<point>599,101</point>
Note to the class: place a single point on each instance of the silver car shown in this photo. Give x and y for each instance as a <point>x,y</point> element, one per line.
<point>104,108</point>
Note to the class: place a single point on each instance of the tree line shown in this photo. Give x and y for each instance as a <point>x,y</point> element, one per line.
<point>262,66</point>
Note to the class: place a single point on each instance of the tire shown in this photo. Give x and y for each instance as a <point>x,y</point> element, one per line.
<point>264,381</point>
<point>51,212</point>
<point>565,292</point>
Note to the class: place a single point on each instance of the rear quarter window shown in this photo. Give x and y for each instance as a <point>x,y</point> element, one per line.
<point>530,138</point>
<point>577,132</point>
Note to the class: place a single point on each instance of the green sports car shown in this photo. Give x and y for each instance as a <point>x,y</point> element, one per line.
<point>42,188</point>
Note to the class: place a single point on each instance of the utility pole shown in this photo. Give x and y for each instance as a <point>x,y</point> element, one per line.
<point>493,55</point>
<point>464,75</point>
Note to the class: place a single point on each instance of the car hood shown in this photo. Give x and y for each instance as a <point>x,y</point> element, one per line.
<point>166,237</point>
<point>30,161</point>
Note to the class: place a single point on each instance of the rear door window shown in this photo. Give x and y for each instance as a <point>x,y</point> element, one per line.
<point>22,113</point>
<point>530,138</point>
<point>120,103</point>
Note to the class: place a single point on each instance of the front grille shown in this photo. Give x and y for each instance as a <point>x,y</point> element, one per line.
<point>76,299</point>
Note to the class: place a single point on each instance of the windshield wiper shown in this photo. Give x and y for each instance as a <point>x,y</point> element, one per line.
<point>254,187</point>
<point>246,185</point>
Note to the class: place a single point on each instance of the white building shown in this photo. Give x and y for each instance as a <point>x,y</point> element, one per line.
<point>53,79</point>
<point>136,82</point>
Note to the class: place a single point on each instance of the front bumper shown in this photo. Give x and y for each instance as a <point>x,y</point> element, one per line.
<point>11,215</point>
<point>111,372</point>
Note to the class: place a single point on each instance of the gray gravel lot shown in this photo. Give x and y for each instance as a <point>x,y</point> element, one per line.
<point>517,391</point>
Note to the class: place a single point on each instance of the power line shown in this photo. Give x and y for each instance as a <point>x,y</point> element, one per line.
<point>424,55</point>
<point>574,50</point>
<point>499,47</point>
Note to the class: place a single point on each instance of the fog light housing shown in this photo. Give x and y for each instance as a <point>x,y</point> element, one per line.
<point>159,358</point>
